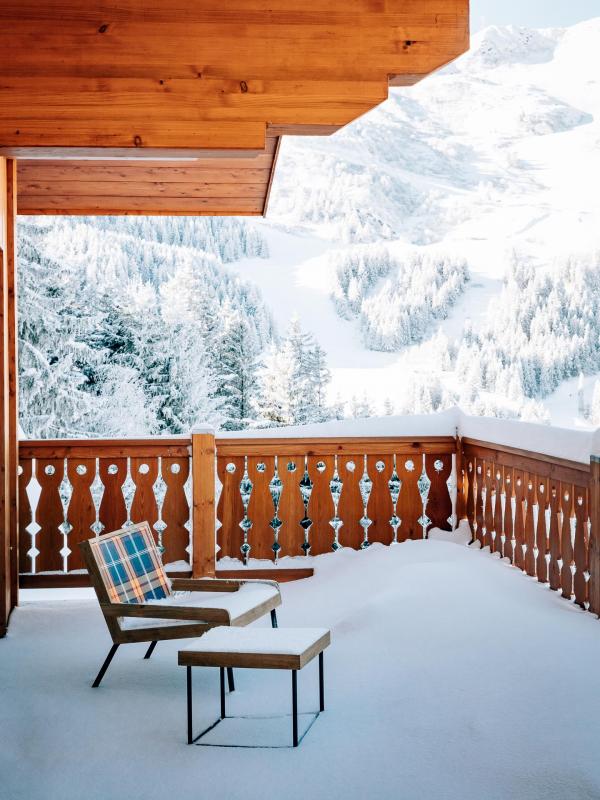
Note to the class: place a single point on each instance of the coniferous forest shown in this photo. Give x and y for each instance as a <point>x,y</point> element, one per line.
<point>132,327</point>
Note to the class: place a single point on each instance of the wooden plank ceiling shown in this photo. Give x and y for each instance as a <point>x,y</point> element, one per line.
<point>214,80</point>
<point>225,186</point>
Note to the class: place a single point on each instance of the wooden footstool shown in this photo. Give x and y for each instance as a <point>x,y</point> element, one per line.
<point>255,648</point>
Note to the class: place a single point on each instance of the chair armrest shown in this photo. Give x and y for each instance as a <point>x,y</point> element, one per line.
<point>215,584</point>
<point>154,611</point>
<point>204,585</point>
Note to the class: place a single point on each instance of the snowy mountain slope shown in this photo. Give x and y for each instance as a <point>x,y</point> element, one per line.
<point>443,249</point>
<point>495,158</point>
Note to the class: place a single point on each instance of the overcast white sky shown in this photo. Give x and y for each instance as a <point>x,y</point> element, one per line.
<point>532,13</point>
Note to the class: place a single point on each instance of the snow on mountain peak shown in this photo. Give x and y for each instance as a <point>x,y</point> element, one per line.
<point>498,45</point>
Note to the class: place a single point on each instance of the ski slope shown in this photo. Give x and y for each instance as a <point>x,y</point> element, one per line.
<point>494,155</point>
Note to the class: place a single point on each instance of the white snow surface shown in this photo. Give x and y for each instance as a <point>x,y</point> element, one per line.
<point>573,445</point>
<point>284,641</point>
<point>237,603</point>
<point>451,676</point>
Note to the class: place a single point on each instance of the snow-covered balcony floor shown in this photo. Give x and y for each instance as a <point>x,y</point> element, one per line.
<point>450,675</point>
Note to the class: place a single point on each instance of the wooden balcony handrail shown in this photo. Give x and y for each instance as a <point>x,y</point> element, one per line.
<point>82,448</point>
<point>529,460</point>
<point>332,445</point>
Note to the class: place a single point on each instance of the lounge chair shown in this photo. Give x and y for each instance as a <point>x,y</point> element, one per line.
<point>141,604</point>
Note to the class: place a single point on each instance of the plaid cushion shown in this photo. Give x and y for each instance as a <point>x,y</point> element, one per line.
<point>131,566</point>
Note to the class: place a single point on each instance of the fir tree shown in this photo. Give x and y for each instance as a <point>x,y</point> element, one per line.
<point>238,367</point>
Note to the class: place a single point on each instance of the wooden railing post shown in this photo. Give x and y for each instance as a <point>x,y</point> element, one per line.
<point>594,546</point>
<point>203,503</point>
<point>461,482</point>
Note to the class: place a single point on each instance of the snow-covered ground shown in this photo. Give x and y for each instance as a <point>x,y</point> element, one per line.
<point>450,675</point>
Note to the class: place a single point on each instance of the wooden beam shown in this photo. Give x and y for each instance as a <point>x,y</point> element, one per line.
<point>13,375</point>
<point>96,76</point>
<point>8,405</point>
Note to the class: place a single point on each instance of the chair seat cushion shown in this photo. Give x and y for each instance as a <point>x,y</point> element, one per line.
<point>249,596</point>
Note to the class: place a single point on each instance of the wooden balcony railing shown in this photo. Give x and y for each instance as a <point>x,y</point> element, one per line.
<point>265,498</point>
<point>295,496</point>
<point>533,510</point>
<point>70,490</point>
<point>277,497</point>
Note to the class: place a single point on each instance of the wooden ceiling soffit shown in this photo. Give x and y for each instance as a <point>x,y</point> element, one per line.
<point>228,186</point>
<point>83,78</point>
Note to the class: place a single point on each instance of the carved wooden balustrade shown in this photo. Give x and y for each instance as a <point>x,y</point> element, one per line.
<point>539,512</point>
<point>294,496</point>
<point>70,490</point>
<point>276,497</point>
<point>266,498</point>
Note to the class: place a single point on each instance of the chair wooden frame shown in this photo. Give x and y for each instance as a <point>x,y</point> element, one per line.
<point>200,619</point>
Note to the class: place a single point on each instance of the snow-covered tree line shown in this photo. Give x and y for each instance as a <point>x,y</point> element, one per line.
<point>122,336</point>
<point>226,237</point>
<point>545,328</point>
<point>396,300</point>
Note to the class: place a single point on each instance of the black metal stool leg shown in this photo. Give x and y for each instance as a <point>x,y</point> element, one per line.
<point>321,684</point>
<point>150,650</point>
<point>104,666</point>
<point>190,735</point>
<point>222,681</point>
<point>295,707</point>
<point>230,681</point>
<point>273,618</point>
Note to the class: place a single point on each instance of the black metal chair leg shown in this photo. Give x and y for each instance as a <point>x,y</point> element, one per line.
<point>273,618</point>
<point>190,735</point>
<point>230,681</point>
<point>105,666</point>
<point>150,650</point>
<point>222,682</point>
<point>321,684</point>
<point>295,707</point>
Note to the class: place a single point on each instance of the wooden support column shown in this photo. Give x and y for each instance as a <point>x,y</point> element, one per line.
<point>594,547</point>
<point>203,507</point>
<point>8,396</point>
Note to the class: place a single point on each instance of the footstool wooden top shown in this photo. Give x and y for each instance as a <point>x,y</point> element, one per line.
<point>262,648</point>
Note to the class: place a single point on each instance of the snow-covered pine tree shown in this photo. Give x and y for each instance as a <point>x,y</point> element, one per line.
<point>319,378</point>
<point>274,395</point>
<point>237,359</point>
<point>580,396</point>
<point>54,361</point>
<point>295,380</point>
<point>595,404</point>
<point>360,407</point>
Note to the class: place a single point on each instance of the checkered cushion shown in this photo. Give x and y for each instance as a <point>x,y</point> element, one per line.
<point>131,566</point>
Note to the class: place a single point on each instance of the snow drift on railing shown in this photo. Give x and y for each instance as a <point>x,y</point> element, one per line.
<point>567,443</point>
